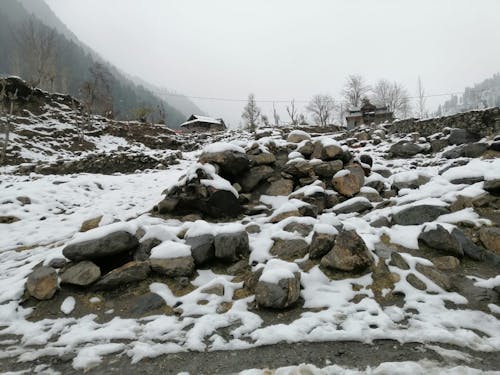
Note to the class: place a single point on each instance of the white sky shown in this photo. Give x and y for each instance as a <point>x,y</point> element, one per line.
<point>283,49</point>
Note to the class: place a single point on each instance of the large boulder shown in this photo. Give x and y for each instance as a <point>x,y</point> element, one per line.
<point>82,273</point>
<point>416,215</point>
<point>346,183</point>
<point>280,187</point>
<point>328,168</point>
<point>278,285</point>
<point>289,249</point>
<point>202,248</point>
<point>109,245</point>
<point>405,149</point>
<point>298,168</point>
<point>349,253</point>
<point>321,244</point>
<point>490,237</point>
<point>437,237</point>
<point>231,246</point>
<point>461,136</point>
<point>42,283</point>
<point>254,176</point>
<point>472,150</point>
<point>231,163</point>
<point>297,136</point>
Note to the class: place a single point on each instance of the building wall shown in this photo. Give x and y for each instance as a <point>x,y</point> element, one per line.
<point>203,127</point>
<point>484,122</point>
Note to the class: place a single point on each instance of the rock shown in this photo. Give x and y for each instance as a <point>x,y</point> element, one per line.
<point>461,136</point>
<point>398,261</point>
<point>440,239</point>
<point>437,145</point>
<point>328,169</point>
<point>231,163</point>
<point>255,175</point>
<point>90,224</point>
<point>435,275</point>
<point>331,152</point>
<point>57,263</point>
<point>8,219</point>
<point>167,205</point>
<point>321,244</point>
<point>413,183</point>
<point>173,267</point>
<point>231,246</point>
<point>82,273</point>
<point>383,281</point>
<point>264,158</point>
<point>289,249</point>
<point>253,228</point>
<point>490,237</point>
<point>491,186</point>
<point>280,187</point>
<point>297,136</point>
<point>416,282</point>
<point>348,254</point>
<point>144,250</point>
<point>238,267</point>
<point>146,303</point>
<point>382,221</point>
<point>468,247</point>
<point>358,204</point>
<point>357,171</point>
<point>24,200</point>
<point>202,248</point>
<point>128,273</point>
<point>346,184</point>
<point>278,295</point>
<point>109,245</point>
<point>284,215</point>
<point>42,283</point>
<point>306,150</point>
<point>416,215</point>
<point>298,168</point>
<point>366,159</point>
<point>472,150</point>
<point>446,263</point>
<point>302,229</point>
<point>405,149</point>
<point>217,289</point>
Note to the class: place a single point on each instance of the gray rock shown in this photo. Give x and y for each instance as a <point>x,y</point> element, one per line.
<point>417,215</point>
<point>254,176</point>
<point>144,250</point>
<point>57,263</point>
<point>490,237</point>
<point>398,261</point>
<point>492,186</point>
<point>299,168</point>
<point>82,273</point>
<point>358,204</point>
<point>146,303</point>
<point>468,247</point>
<point>278,296</point>
<point>302,229</point>
<point>280,187</point>
<point>348,254</point>
<point>126,274</point>
<point>231,246</point>
<point>461,136</point>
<point>217,289</point>
<point>173,267</point>
<point>264,158</point>
<point>231,163</point>
<point>328,168</point>
<point>202,248</point>
<point>321,244</point>
<point>435,275</point>
<point>411,184</point>
<point>405,149</point>
<point>446,263</point>
<point>441,239</point>
<point>472,150</point>
<point>42,283</point>
<point>109,245</point>
<point>306,150</point>
<point>416,282</point>
<point>289,249</point>
<point>347,185</point>
<point>366,159</point>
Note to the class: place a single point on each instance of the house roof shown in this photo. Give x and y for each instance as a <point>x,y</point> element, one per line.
<point>197,118</point>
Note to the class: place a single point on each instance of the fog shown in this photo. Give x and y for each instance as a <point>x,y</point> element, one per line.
<point>284,49</point>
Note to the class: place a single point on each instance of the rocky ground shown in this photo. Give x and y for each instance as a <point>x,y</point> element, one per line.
<point>338,249</point>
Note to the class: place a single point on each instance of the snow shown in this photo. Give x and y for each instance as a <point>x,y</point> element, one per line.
<point>300,133</point>
<point>276,270</point>
<point>170,249</point>
<point>222,147</point>
<point>342,173</point>
<point>68,305</point>
<point>350,202</point>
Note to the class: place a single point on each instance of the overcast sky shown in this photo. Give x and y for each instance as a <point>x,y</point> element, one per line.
<point>283,49</point>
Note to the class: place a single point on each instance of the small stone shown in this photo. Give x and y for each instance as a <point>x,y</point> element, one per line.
<point>24,200</point>
<point>202,248</point>
<point>217,289</point>
<point>347,185</point>
<point>321,244</point>
<point>82,273</point>
<point>398,261</point>
<point>490,237</point>
<point>349,253</point>
<point>128,273</point>
<point>416,215</point>
<point>440,239</point>
<point>289,249</point>
<point>280,187</point>
<point>253,228</point>
<point>9,219</point>
<point>231,246</point>
<point>280,295</point>
<point>302,229</point>
<point>416,282</point>
<point>57,263</point>
<point>42,283</point>
<point>173,267</point>
<point>435,275</point>
<point>446,263</point>
<point>90,224</point>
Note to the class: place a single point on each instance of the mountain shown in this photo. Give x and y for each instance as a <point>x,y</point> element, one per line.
<point>34,39</point>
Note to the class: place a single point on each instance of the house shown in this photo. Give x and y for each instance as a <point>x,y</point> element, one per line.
<point>368,114</point>
<point>203,124</point>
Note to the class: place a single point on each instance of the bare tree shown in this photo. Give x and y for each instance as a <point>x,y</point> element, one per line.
<point>276,116</point>
<point>96,91</point>
<point>322,107</point>
<point>251,113</point>
<point>142,114</point>
<point>394,96</point>
<point>421,99</point>
<point>12,98</point>
<point>292,112</point>
<point>37,54</point>
<point>354,90</point>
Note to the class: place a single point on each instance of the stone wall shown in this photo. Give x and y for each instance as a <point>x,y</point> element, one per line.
<point>484,122</point>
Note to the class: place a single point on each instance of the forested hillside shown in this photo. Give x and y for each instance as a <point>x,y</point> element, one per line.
<point>37,46</point>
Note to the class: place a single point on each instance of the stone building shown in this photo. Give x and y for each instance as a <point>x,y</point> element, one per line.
<point>203,124</point>
<point>368,114</point>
